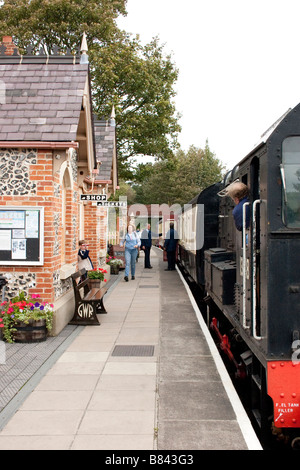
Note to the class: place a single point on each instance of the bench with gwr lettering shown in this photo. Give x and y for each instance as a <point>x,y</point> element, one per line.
<point>88,301</point>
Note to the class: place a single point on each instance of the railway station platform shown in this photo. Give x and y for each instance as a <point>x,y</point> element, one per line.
<point>148,378</point>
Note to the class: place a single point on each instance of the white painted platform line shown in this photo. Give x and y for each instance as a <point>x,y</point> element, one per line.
<point>241,415</point>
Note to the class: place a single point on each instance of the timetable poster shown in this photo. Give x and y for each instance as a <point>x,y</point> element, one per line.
<point>20,236</point>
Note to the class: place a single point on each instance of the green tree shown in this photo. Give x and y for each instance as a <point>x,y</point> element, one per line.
<point>197,169</point>
<point>59,22</point>
<point>181,178</point>
<point>125,189</point>
<point>138,80</point>
<point>157,186</point>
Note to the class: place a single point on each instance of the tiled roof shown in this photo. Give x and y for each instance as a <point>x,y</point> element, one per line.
<point>41,102</point>
<point>41,99</point>
<point>105,144</point>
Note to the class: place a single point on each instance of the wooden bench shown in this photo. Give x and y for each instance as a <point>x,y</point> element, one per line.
<point>88,302</point>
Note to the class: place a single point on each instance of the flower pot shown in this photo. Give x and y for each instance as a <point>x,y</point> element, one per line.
<point>114,269</point>
<point>94,283</point>
<point>34,331</point>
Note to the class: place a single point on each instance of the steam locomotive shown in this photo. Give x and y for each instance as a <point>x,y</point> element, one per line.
<point>250,279</point>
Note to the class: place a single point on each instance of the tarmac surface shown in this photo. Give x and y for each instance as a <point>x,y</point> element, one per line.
<point>148,378</point>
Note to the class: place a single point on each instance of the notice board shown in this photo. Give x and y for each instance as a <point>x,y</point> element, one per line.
<point>21,235</point>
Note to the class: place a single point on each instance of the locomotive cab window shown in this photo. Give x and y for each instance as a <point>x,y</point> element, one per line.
<point>290,175</point>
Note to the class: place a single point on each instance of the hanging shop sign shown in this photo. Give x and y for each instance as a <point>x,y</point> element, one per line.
<point>93,197</point>
<point>21,235</point>
<point>112,204</point>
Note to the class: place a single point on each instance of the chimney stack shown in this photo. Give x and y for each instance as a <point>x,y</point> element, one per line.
<point>10,46</point>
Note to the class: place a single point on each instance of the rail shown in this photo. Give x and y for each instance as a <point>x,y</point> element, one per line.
<point>244,265</point>
<point>254,323</point>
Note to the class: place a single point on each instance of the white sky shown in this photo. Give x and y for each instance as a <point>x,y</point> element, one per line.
<point>238,61</point>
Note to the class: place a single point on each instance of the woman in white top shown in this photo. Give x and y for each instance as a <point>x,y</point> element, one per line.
<point>84,261</point>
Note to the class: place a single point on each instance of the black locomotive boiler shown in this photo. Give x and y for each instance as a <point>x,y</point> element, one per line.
<point>250,279</point>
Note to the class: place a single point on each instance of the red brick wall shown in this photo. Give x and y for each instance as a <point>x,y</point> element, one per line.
<point>41,174</point>
<point>45,189</point>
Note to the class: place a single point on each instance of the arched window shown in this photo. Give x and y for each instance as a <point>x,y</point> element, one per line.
<point>66,186</point>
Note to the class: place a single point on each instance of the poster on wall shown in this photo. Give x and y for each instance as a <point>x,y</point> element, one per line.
<point>21,236</point>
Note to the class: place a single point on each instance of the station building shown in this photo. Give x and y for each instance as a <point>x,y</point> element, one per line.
<point>52,151</point>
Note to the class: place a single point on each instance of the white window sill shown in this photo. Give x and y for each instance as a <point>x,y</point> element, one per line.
<point>66,270</point>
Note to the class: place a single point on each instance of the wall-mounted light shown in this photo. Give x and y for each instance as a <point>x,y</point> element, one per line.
<point>92,177</point>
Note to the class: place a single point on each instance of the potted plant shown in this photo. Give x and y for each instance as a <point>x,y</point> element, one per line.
<point>25,319</point>
<point>115,265</point>
<point>96,276</point>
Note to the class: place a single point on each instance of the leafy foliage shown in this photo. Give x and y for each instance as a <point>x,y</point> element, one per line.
<point>59,22</point>
<point>179,179</point>
<point>138,80</point>
<point>23,308</point>
<point>97,274</point>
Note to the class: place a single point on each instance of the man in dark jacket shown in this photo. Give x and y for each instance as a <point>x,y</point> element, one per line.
<point>170,246</point>
<point>146,243</point>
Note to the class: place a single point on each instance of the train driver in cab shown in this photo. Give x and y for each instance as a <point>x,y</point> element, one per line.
<point>239,193</point>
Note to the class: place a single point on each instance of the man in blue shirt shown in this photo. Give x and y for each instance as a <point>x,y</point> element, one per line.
<point>239,193</point>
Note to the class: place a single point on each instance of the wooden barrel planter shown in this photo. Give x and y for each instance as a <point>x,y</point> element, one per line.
<point>34,331</point>
<point>94,283</point>
<point>114,269</point>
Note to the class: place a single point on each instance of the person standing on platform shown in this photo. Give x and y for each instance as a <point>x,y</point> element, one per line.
<point>170,247</point>
<point>84,260</point>
<point>138,233</point>
<point>132,242</point>
<point>146,242</point>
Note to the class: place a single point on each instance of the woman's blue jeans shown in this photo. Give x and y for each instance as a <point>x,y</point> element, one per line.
<point>130,260</point>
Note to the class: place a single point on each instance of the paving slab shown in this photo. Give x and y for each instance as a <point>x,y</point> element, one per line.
<point>145,379</point>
